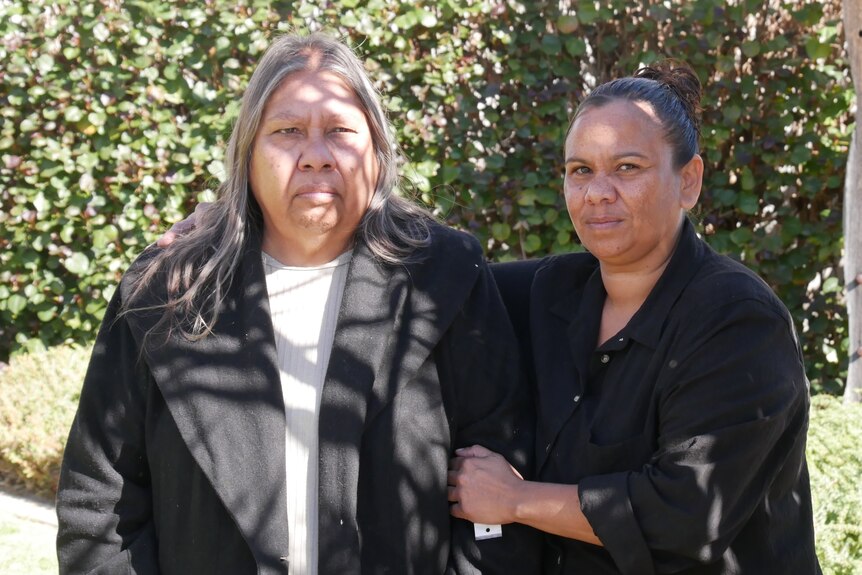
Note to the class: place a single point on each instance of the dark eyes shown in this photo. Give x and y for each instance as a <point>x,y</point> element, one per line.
<point>336,130</point>
<point>576,170</point>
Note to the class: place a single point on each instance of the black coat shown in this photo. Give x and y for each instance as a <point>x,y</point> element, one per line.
<point>175,461</point>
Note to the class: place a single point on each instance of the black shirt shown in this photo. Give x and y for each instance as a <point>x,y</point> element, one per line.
<point>686,431</point>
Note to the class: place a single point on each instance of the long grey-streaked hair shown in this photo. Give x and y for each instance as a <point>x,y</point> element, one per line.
<point>199,267</point>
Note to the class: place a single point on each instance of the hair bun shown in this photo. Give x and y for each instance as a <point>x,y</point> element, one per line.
<point>681,79</point>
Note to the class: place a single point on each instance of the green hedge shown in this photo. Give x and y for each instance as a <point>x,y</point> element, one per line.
<point>115,118</point>
<point>39,394</point>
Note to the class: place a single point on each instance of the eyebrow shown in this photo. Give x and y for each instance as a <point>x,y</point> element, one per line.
<point>290,117</point>
<point>277,116</point>
<point>576,159</point>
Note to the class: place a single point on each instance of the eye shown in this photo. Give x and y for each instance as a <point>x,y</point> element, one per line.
<point>343,130</point>
<point>576,170</point>
<point>290,130</point>
<point>628,167</point>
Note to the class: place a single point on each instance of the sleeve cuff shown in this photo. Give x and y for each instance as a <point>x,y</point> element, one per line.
<point>606,504</point>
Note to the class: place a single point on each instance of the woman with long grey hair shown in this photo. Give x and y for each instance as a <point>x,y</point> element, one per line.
<point>279,390</point>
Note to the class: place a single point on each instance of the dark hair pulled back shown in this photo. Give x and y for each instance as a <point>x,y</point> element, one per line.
<point>672,89</point>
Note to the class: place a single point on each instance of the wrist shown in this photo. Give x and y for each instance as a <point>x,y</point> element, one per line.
<point>519,502</point>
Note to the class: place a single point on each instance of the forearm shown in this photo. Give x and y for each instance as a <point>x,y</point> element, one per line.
<point>552,508</point>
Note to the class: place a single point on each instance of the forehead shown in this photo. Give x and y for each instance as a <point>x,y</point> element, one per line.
<point>618,122</point>
<point>313,91</point>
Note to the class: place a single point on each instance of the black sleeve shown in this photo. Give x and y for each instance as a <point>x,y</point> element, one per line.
<point>494,408</point>
<point>104,500</point>
<point>515,280</point>
<point>733,417</point>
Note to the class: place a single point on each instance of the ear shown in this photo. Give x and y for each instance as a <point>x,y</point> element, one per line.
<point>691,180</point>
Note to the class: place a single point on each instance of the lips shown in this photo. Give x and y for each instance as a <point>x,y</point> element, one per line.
<point>316,192</point>
<point>602,222</point>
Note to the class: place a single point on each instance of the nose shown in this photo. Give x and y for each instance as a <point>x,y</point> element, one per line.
<point>600,189</point>
<point>316,155</point>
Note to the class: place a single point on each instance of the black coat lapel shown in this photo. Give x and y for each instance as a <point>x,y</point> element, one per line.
<point>391,319</point>
<point>224,394</point>
<point>369,308</point>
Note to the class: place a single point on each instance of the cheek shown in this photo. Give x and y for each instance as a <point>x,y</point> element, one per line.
<point>574,197</point>
<point>267,169</point>
<point>365,173</point>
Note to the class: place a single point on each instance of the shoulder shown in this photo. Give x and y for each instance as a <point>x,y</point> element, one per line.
<point>455,243</point>
<point>137,273</point>
<point>452,253</point>
<point>564,273</point>
<point>722,281</point>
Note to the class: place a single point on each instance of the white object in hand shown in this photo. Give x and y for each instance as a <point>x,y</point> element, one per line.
<point>483,531</point>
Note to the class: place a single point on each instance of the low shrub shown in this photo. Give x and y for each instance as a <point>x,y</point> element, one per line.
<point>38,397</point>
<point>835,463</point>
<point>39,394</point>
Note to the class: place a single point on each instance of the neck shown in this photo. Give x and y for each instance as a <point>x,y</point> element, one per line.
<point>627,290</point>
<point>311,252</point>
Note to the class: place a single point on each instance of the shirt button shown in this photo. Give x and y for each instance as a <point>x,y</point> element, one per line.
<point>605,358</point>
<point>577,398</point>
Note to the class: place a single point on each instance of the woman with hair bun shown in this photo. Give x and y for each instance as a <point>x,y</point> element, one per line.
<point>672,397</point>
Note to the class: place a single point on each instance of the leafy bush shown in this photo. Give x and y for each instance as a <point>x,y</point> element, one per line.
<point>835,463</point>
<point>115,117</point>
<point>38,398</point>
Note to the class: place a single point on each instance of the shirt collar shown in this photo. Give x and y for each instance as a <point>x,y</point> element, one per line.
<point>648,322</point>
<point>575,305</point>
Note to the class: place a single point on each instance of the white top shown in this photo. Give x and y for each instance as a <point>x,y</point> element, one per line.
<point>304,303</point>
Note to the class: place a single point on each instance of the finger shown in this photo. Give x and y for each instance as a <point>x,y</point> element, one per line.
<point>474,451</point>
<point>456,511</point>
<point>456,463</point>
<point>167,238</point>
<point>202,208</point>
<point>452,478</point>
<point>184,226</point>
<point>452,494</point>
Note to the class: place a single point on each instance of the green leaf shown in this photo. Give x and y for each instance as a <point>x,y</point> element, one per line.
<point>731,112</point>
<point>77,263</point>
<point>576,46</point>
<point>46,315</point>
<point>16,304</point>
<point>532,243</point>
<point>567,24</point>
<point>407,21</point>
<point>817,49</point>
<point>587,12</point>
<point>551,44</point>
<point>741,236</point>
<point>501,231</point>
<point>426,18</point>
<point>749,204</point>
<point>751,48</point>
